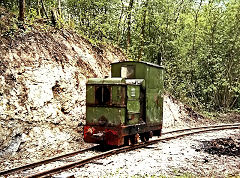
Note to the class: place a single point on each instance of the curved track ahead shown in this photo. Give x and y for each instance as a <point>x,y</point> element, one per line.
<point>76,162</point>
<point>51,160</point>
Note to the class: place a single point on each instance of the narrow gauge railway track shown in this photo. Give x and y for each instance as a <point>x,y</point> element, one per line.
<point>198,128</point>
<point>18,170</point>
<point>76,162</point>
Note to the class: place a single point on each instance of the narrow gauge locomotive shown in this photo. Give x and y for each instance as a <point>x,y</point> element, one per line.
<point>127,105</point>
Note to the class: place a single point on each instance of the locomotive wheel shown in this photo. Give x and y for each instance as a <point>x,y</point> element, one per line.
<point>127,141</point>
<point>157,132</point>
<point>150,134</point>
<point>131,140</point>
<point>144,136</point>
<point>134,139</point>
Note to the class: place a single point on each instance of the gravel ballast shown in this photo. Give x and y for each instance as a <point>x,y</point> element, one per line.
<point>183,156</point>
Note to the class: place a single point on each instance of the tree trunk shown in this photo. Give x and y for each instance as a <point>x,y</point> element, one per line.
<point>119,23</point>
<point>43,7</point>
<point>179,11</point>
<point>129,15</point>
<point>21,10</point>
<point>195,27</point>
<point>53,17</point>
<point>59,8</point>
<point>143,31</point>
<point>193,53</point>
<point>38,7</point>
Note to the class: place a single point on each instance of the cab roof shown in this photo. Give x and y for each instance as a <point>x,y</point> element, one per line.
<point>140,62</point>
<point>106,81</point>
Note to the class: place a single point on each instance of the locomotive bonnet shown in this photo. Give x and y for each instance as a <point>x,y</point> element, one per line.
<point>127,105</point>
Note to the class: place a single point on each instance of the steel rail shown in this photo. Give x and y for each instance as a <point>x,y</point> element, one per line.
<point>133,147</point>
<point>33,165</point>
<point>197,128</point>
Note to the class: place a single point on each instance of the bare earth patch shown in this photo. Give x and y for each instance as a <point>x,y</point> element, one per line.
<point>223,146</point>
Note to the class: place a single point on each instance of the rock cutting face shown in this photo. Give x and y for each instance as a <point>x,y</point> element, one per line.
<point>42,87</point>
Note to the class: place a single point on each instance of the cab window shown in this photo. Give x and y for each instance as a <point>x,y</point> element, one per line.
<point>128,71</point>
<point>102,96</point>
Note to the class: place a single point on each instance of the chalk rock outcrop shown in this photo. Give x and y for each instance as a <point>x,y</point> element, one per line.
<point>42,82</point>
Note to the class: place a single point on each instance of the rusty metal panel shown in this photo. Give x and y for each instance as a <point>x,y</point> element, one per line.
<point>153,76</point>
<point>133,118</point>
<point>90,94</point>
<point>154,103</point>
<point>154,99</point>
<point>118,95</point>
<point>133,104</point>
<point>98,81</point>
<point>106,95</point>
<point>105,116</point>
<point>105,135</point>
<point>133,92</point>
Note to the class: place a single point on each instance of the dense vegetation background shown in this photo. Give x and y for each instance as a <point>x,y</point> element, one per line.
<point>197,41</point>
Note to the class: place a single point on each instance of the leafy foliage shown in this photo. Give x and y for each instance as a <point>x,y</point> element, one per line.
<point>197,40</point>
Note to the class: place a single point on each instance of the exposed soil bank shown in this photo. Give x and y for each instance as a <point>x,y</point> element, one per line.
<point>42,89</point>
